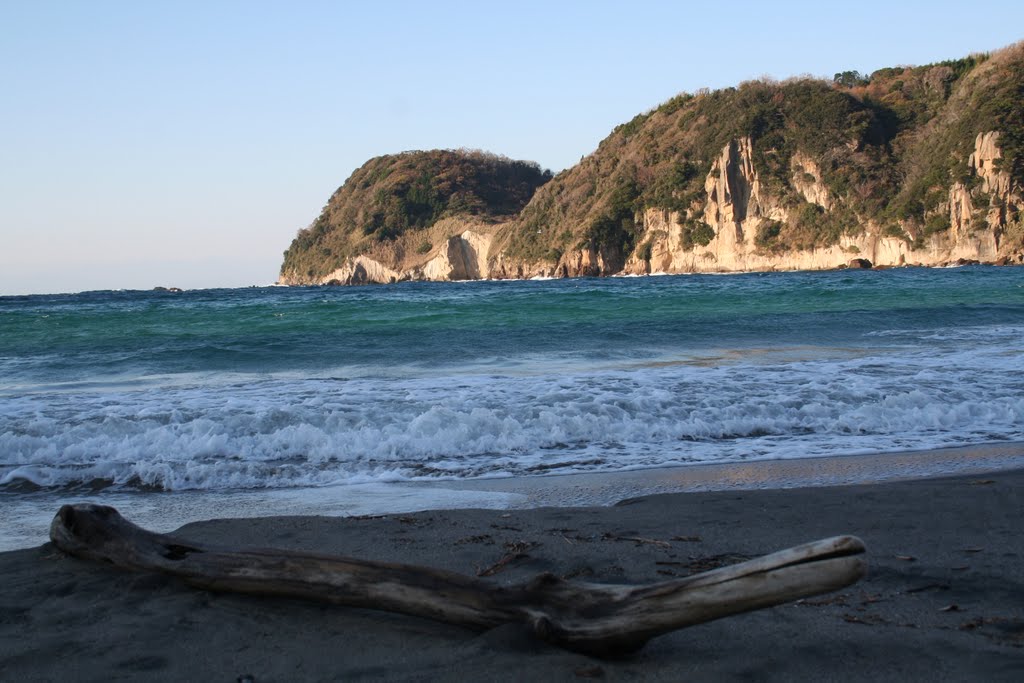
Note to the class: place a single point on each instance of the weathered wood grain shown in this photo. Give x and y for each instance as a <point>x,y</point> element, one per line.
<point>599,619</point>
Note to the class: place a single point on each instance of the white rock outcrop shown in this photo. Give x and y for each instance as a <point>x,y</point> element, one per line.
<point>361,270</point>
<point>463,257</point>
<point>735,206</point>
<point>806,179</point>
<point>985,163</point>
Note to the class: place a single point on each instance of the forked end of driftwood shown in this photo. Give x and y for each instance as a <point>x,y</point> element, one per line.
<point>598,619</point>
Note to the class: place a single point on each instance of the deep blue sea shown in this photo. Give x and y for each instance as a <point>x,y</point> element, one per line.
<point>291,388</point>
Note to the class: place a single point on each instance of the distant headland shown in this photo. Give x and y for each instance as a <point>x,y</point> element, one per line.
<point>904,166</point>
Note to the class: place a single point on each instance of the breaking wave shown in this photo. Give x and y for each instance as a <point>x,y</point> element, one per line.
<point>280,433</point>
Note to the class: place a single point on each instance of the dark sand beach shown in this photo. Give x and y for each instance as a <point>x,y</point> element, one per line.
<point>943,600</point>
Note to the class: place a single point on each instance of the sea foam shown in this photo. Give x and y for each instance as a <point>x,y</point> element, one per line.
<point>301,431</point>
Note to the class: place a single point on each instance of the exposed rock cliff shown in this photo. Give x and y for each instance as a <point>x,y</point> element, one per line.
<point>807,180</point>
<point>919,165</point>
<point>739,212</point>
<point>463,257</point>
<point>412,215</point>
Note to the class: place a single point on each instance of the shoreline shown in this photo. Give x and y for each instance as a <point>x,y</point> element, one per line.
<point>942,599</point>
<point>608,488</point>
<point>960,262</point>
<point>25,518</point>
<point>997,263</point>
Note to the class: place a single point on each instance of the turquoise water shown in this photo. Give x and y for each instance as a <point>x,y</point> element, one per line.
<point>283,388</point>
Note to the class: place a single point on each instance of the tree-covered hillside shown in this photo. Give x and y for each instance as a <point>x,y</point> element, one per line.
<point>889,146</point>
<point>392,198</point>
<point>904,159</point>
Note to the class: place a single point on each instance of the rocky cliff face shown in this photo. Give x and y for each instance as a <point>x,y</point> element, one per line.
<point>421,215</point>
<point>736,209</point>
<point>796,176</point>
<point>463,257</point>
<point>807,180</point>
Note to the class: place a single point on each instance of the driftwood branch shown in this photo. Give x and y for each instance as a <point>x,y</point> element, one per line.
<point>598,619</point>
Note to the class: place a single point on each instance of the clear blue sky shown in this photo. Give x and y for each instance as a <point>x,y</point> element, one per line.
<point>184,143</point>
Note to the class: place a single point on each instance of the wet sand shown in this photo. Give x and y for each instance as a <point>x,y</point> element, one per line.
<point>606,488</point>
<point>24,519</point>
<point>943,600</point>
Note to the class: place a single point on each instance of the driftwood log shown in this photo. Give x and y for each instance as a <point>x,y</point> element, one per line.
<point>598,619</point>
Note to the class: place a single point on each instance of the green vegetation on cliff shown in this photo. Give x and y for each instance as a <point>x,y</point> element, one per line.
<point>390,196</point>
<point>889,146</point>
<point>814,160</point>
